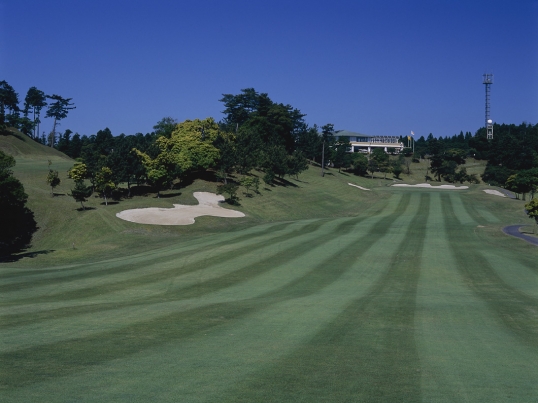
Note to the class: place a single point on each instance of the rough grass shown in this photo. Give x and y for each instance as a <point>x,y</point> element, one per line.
<point>392,295</point>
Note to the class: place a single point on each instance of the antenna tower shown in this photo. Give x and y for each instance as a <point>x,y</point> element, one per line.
<point>488,80</point>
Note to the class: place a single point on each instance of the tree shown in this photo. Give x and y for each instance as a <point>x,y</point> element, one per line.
<point>531,209</point>
<point>58,109</point>
<point>9,100</point>
<point>17,223</point>
<point>525,181</point>
<point>247,182</point>
<point>80,193</point>
<point>104,183</point>
<point>379,161</point>
<point>79,172</point>
<point>165,126</point>
<point>53,180</point>
<point>397,167</point>
<point>297,163</point>
<point>341,153</point>
<point>445,163</point>
<point>231,190</point>
<point>359,164</point>
<point>35,100</point>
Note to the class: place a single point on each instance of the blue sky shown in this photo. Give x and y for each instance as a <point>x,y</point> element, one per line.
<point>376,67</point>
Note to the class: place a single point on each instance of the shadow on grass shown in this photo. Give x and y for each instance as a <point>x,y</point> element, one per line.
<point>167,195</point>
<point>284,182</point>
<point>85,209</point>
<point>108,203</point>
<point>18,256</point>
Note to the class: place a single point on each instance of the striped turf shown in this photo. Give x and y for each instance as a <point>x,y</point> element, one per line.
<point>411,304</point>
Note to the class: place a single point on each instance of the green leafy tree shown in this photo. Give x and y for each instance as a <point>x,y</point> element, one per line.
<point>359,163</point>
<point>225,143</point>
<point>231,190</point>
<point>531,209</point>
<point>53,180</point>
<point>165,126</point>
<point>79,172</point>
<point>297,163</point>
<point>17,223</point>
<point>397,168</point>
<point>81,193</point>
<point>341,154</point>
<point>104,183</point>
<point>247,182</point>
<point>444,163</point>
<point>58,109</point>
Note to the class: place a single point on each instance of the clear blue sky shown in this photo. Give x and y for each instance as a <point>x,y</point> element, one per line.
<point>376,67</point>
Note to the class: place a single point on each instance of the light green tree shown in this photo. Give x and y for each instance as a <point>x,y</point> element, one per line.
<point>532,209</point>
<point>81,192</point>
<point>104,183</point>
<point>247,182</point>
<point>53,180</point>
<point>79,172</point>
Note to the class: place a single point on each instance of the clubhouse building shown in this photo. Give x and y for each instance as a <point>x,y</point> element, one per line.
<point>365,143</point>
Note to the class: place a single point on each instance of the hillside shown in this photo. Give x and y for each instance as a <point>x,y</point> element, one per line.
<point>19,145</point>
<point>67,234</point>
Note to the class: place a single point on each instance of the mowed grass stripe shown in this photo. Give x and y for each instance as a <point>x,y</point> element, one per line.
<point>59,358</point>
<point>368,352</point>
<point>120,311</point>
<point>517,310</point>
<point>58,309</point>
<point>139,273</point>
<point>185,246</point>
<point>465,352</point>
<point>197,278</point>
<point>148,260</point>
<point>200,367</point>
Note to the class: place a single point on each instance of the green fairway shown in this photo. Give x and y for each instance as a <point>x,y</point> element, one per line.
<point>418,297</point>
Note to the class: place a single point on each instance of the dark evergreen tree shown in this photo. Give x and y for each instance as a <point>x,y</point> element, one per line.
<point>17,223</point>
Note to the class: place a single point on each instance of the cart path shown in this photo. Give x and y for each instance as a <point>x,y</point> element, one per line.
<point>513,230</point>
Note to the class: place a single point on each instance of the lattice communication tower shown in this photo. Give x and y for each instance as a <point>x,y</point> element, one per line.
<point>488,80</point>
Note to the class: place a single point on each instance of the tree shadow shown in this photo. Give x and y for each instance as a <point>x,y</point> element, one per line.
<point>168,195</point>
<point>18,256</point>
<point>59,194</point>
<point>85,209</point>
<point>342,173</point>
<point>269,190</point>
<point>108,203</point>
<point>284,182</point>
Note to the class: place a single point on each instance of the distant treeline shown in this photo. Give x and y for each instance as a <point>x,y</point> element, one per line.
<point>258,133</point>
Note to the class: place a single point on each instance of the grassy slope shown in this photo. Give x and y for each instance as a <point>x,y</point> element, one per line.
<point>393,295</point>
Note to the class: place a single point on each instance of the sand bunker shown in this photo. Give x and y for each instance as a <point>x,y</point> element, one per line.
<point>427,185</point>
<point>494,192</point>
<point>180,214</point>
<point>357,186</point>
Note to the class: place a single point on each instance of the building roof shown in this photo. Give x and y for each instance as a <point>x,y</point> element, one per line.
<point>348,133</point>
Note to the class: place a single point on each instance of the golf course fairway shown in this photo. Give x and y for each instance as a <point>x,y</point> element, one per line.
<point>422,300</point>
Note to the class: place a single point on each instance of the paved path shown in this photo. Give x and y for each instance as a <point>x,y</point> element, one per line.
<point>514,231</point>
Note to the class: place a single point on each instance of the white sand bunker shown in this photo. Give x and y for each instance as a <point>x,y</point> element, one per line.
<point>427,185</point>
<point>494,192</point>
<point>180,214</point>
<point>357,186</point>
